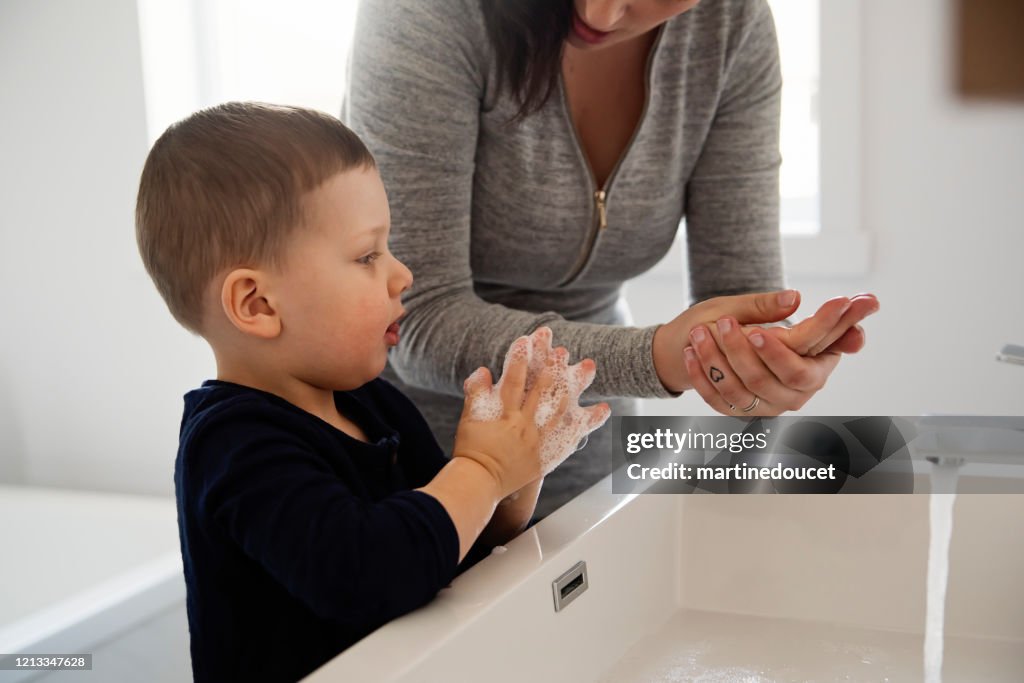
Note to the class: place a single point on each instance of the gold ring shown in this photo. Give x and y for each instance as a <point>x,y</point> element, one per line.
<point>753,404</point>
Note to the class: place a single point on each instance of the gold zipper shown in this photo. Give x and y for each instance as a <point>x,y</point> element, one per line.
<point>602,213</point>
<point>601,195</point>
<point>601,218</point>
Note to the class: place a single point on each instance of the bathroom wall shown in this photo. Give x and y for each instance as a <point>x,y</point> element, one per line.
<point>942,202</point>
<point>92,368</point>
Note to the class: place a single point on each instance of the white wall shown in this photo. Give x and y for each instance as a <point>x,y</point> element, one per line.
<point>92,368</point>
<point>943,200</point>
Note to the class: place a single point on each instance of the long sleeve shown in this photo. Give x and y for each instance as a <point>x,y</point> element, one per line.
<point>732,210</point>
<point>419,73</point>
<point>348,560</point>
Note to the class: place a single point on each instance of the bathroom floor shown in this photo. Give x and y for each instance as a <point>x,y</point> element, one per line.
<point>155,651</point>
<point>709,647</point>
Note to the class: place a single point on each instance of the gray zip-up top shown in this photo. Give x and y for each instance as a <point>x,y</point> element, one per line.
<point>503,225</point>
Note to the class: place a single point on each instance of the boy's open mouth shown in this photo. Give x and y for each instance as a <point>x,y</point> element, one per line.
<point>391,334</point>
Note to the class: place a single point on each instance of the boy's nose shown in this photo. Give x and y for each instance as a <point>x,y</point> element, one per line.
<point>401,279</point>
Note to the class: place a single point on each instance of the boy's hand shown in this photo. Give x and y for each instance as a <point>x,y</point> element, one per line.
<point>529,422</point>
<point>504,437</point>
<point>563,439</point>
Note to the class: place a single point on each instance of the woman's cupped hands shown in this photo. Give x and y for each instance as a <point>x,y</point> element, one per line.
<point>722,349</point>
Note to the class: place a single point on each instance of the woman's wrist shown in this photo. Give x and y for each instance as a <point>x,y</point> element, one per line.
<point>667,356</point>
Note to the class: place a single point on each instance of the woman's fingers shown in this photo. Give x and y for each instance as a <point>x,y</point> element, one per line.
<point>806,375</point>
<point>806,334</point>
<point>861,307</point>
<point>729,365</point>
<point>717,369</point>
<point>852,341</point>
<point>703,385</point>
<point>814,334</point>
<point>759,307</point>
<point>756,377</point>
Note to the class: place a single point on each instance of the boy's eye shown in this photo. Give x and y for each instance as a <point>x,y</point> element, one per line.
<point>369,258</point>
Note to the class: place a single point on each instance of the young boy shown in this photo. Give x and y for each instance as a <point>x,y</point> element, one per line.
<point>314,504</point>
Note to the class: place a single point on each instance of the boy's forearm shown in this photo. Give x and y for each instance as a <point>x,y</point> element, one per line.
<point>469,494</point>
<point>511,516</point>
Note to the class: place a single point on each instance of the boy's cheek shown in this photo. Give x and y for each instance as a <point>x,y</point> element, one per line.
<point>368,313</point>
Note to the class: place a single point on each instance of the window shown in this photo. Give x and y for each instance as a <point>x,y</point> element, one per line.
<point>202,52</point>
<point>796,22</point>
<point>819,185</point>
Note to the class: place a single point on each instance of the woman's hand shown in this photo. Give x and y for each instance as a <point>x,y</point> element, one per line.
<point>822,332</point>
<point>766,371</point>
<point>671,338</point>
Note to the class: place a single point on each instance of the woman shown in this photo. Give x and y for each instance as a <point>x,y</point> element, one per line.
<point>539,153</point>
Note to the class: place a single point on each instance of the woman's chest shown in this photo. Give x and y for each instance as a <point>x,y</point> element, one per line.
<point>606,92</point>
<point>536,218</point>
<point>537,207</point>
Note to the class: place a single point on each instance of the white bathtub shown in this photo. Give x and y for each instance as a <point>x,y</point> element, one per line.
<point>79,568</point>
<point>721,588</point>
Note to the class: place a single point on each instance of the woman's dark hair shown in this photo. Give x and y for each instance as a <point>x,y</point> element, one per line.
<point>528,37</point>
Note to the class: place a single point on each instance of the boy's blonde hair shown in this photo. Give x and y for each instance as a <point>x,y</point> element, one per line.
<point>224,188</point>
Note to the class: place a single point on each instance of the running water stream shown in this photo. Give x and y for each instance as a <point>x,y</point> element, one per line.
<point>943,478</point>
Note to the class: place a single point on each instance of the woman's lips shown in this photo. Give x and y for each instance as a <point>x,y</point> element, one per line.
<point>585,33</point>
<point>391,335</point>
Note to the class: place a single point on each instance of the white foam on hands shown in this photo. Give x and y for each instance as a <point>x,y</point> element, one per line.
<point>569,382</point>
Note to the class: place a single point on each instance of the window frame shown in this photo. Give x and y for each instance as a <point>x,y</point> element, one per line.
<point>842,246</point>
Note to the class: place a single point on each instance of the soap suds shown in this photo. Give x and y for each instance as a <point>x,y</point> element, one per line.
<point>570,381</point>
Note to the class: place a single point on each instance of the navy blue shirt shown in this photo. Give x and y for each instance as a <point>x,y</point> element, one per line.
<point>297,539</point>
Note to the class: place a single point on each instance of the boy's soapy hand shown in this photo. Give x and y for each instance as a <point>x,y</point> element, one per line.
<point>564,437</point>
<point>498,429</point>
<point>529,422</point>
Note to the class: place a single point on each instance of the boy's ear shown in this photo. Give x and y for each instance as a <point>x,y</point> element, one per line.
<point>244,298</point>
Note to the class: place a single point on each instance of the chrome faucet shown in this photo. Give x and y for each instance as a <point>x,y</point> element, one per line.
<point>958,439</point>
<point>951,441</point>
<point>1011,353</point>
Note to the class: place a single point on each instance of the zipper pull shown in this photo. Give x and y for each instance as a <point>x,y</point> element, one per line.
<point>602,215</point>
